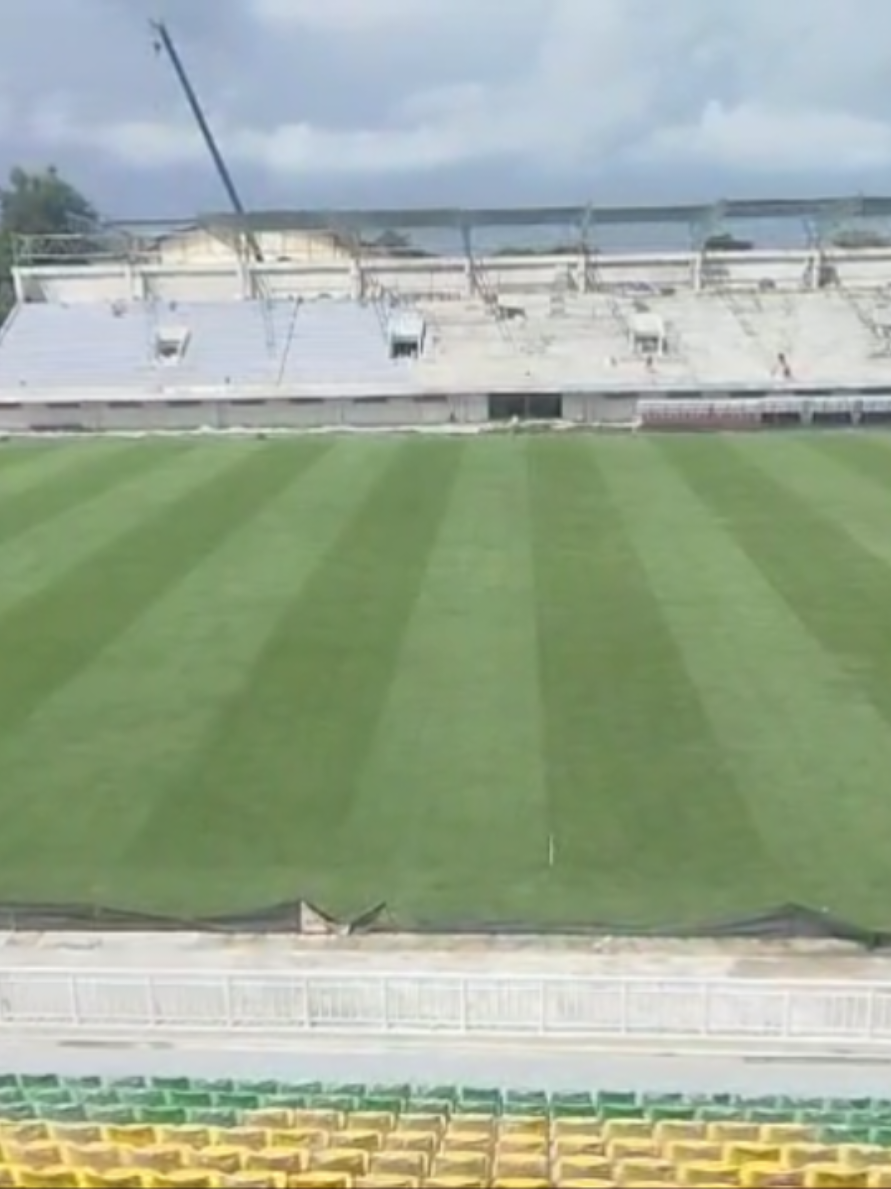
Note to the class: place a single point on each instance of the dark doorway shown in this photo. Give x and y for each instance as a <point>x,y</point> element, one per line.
<point>525,406</point>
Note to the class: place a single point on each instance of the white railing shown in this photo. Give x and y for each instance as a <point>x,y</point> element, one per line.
<point>439,1005</point>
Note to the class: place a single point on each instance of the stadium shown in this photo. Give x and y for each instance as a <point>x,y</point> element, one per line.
<point>445,699</point>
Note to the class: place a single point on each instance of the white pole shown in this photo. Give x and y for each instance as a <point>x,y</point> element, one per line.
<point>551,850</point>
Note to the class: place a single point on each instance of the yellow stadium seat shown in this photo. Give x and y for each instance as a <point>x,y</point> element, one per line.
<point>362,1138</point>
<point>7,1179</point>
<point>802,1155</point>
<point>449,1181</point>
<point>733,1131</point>
<point>220,1157</point>
<point>786,1133</point>
<point>582,1126</point>
<point>523,1125</point>
<point>340,1160</point>
<point>298,1137</point>
<point>186,1178</point>
<point>638,1129</point>
<point>95,1157</point>
<point>580,1168</point>
<point>630,1148</point>
<point>321,1180</point>
<point>125,1178</point>
<point>522,1143</point>
<point>668,1131</point>
<point>521,1168</point>
<point>112,1178</point>
<point>879,1178</point>
<point>187,1136</point>
<point>376,1181</point>
<point>159,1157</point>
<point>75,1133</point>
<point>252,1138</point>
<point>424,1122</point>
<point>269,1118</point>
<point>859,1156</point>
<point>288,1161</point>
<point>458,1163</point>
<point>588,1183</point>
<point>255,1180</point>
<point>379,1121</point>
<point>645,1172</point>
<point>747,1152</point>
<point>834,1176</point>
<point>770,1176</point>
<point>475,1125</point>
<point>317,1120</point>
<point>131,1135</point>
<point>572,1147</point>
<point>708,1173</point>
<point>400,1165</point>
<point>520,1183</point>
<point>30,1132</point>
<point>693,1151</point>
<point>55,1177</point>
<point>44,1153</point>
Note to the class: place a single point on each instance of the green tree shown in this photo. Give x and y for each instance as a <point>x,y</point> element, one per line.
<point>36,204</point>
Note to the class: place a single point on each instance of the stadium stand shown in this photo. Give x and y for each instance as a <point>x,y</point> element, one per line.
<point>194,344</point>
<point>179,1131</point>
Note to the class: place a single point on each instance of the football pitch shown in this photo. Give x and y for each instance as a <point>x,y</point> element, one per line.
<point>540,679</point>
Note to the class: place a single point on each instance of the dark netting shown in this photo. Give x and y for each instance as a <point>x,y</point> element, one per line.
<point>791,921</point>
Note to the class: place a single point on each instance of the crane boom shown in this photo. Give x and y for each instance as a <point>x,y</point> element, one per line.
<point>165,42</point>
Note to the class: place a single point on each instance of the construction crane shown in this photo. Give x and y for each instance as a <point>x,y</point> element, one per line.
<point>164,43</point>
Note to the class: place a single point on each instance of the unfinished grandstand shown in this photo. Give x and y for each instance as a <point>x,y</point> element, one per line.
<point>743,313</point>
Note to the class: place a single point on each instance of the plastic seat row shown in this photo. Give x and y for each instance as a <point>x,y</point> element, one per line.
<point>472,1150</point>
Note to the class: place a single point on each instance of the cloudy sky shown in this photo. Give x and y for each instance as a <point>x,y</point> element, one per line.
<point>355,102</point>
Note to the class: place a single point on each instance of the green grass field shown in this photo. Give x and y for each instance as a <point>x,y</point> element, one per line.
<point>235,673</point>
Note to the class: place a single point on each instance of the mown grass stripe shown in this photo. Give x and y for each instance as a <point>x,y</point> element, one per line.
<point>60,493</point>
<point>856,500</point>
<point>451,808</point>
<point>25,474</point>
<point>47,639</point>
<point>825,683</point>
<point>631,756</point>
<point>133,719</point>
<point>286,754</point>
<point>38,558</point>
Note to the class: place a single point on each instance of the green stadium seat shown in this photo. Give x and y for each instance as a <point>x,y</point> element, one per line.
<point>390,1104</point>
<point>162,1115</point>
<point>345,1089</point>
<point>211,1118</point>
<point>192,1099</point>
<point>664,1111</point>
<point>237,1101</point>
<point>108,1115</point>
<point>9,1081</point>
<point>431,1106</point>
<point>616,1098</point>
<point>17,1109</point>
<point>141,1097</point>
<point>132,1081</point>
<point>285,1100</point>
<point>563,1103</point>
<point>443,1093</point>
<point>179,1083</point>
<point>46,1099</point>
<point>73,1112</point>
<point>525,1102</point>
<point>38,1081</point>
<point>100,1096</point>
<point>332,1102</point>
<point>217,1085</point>
<point>78,1086</point>
<point>616,1110</point>
<point>880,1136</point>
<point>472,1100</point>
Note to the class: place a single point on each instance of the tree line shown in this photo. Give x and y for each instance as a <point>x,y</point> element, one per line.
<point>37,202</point>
